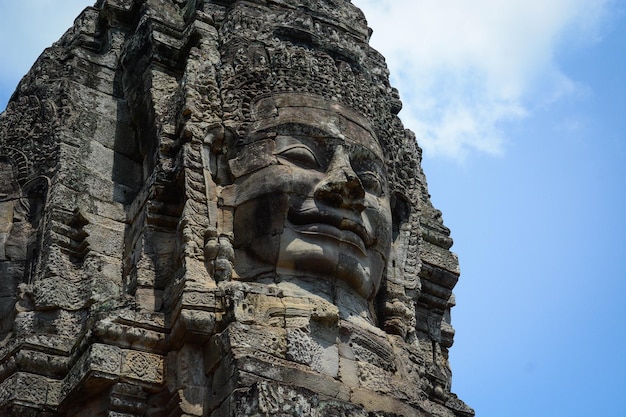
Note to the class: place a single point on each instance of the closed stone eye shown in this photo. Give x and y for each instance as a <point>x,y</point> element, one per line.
<point>301,156</point>
<point>371,183</point>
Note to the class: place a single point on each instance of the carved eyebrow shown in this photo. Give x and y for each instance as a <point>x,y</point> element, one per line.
<point>360,150</point>
<point>285,140</point>
<point>319,139</point>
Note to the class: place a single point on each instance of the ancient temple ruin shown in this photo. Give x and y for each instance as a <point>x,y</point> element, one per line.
<point>211,208</point>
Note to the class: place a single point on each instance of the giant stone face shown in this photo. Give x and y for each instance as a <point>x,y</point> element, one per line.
<point>310,195</point>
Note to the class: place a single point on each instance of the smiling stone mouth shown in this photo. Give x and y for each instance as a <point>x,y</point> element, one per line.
<point>333,223</point>
<point>326,230</point>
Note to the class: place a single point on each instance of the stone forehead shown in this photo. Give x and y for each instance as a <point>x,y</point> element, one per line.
<point>291,50</point>
<point>332,117</point>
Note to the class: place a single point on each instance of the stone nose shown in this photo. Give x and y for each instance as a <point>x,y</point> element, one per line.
<point>342,186</point>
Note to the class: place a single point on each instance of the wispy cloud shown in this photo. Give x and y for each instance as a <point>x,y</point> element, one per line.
<point>466,69</point>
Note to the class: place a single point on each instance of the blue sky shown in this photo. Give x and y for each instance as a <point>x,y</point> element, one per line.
<point>520,106</point>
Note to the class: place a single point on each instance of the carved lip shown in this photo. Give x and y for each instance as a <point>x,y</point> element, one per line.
<point>331,222</point>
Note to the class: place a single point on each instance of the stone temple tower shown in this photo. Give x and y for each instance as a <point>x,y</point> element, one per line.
<point>211,208</point>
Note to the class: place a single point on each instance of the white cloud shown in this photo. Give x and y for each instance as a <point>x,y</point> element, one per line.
<point>465,69</point>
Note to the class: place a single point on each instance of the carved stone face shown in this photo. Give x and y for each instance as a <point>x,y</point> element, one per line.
<point>311,197</point>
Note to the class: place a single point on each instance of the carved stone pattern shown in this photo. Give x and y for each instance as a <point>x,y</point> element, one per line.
<point>142,366</point>
<point>137,133</point>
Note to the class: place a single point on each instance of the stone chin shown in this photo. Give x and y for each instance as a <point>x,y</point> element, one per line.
<point>326,256</point>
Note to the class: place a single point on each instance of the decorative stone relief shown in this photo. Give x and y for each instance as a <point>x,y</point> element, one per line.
<point>211,209</point>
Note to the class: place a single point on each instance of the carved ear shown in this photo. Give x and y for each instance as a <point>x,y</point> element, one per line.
<point>219,144</point>
<point>400,213</point>
<point>397,313</point>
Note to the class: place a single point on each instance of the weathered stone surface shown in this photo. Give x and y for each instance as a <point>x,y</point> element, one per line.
<point>211,208</point>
